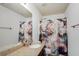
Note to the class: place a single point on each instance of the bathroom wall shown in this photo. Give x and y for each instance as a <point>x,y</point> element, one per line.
<point>72,14</point>
<point>11,19</point>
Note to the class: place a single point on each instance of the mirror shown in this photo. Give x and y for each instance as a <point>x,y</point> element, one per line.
<point>15,25</point>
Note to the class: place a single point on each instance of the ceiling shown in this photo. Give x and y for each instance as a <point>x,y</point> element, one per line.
<point>44,8</point>
<point>51,8</point>
<point>16,7</point>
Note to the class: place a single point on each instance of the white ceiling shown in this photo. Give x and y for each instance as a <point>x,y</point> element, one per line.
<point>16,7</point>
<point>51,8</point>
<point>44,8</point>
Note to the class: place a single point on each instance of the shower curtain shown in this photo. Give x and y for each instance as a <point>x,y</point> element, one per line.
<point>56,43</point>
<point>62,37</point>
<point>25,32</point>
<point>54,46</point>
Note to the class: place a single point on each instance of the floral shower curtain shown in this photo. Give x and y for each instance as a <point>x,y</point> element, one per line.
<point>54,46</point>
<point>62,37</point>
<point>25,32</point>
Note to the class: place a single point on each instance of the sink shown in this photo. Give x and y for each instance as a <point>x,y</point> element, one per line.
<point>35,46</point>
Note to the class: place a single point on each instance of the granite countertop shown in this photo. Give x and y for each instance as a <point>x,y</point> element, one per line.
<point>26,51</point>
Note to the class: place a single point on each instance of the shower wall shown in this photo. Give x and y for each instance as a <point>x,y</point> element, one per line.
<point>72,14</point>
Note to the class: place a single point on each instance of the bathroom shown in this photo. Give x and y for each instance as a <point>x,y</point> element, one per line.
<point>38,29</point>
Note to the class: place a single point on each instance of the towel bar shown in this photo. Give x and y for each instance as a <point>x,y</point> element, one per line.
<point>5,28</point>
<point>75,25</point>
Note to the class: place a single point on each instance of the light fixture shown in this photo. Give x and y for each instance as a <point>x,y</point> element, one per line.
<point>26,3</point>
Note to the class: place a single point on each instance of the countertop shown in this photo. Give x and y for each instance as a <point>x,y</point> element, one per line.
<point>26,51</point>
